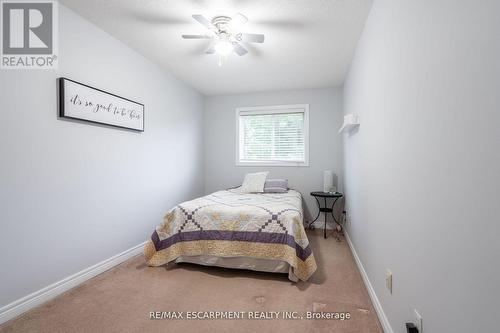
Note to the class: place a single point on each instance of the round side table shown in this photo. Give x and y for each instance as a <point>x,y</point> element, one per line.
<point>325,209</point>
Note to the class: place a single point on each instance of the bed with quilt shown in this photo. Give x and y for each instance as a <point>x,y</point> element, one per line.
<point>256,231</point>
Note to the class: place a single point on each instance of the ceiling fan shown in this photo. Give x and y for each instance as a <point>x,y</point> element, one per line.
<point>224,33</point>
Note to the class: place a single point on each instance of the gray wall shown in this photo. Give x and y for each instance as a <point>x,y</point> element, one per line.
<point>74,194</point>
<point>325,117</point>
<point>422,174</point>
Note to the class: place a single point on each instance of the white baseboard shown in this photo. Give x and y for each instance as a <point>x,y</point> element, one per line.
<point>376,303</point>
<point>32,300</point>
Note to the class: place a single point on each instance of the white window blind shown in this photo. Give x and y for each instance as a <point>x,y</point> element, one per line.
<point>273,135</point>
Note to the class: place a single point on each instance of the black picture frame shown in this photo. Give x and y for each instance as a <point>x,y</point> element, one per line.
<point>63,113</point>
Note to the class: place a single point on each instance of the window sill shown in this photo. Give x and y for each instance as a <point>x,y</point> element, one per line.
<point>275,164</point>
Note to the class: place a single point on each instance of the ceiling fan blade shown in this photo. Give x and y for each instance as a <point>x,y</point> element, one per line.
<point>196,36</point>
<point>239,50</point>
<point>251,38</point>
<point>204,21</point>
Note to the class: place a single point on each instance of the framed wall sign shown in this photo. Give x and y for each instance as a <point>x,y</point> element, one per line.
<point>83,102</point>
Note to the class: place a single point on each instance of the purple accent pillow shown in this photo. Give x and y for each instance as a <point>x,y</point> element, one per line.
<point>276,186</point>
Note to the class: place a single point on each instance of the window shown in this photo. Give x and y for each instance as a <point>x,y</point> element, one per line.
<point>273,135</point>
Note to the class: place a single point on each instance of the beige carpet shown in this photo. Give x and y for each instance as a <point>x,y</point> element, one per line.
<point>121,299</point>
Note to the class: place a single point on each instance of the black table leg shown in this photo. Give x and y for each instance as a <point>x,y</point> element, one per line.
<point>324,229</point>
<point>317,216</point>
<point>333,215</point>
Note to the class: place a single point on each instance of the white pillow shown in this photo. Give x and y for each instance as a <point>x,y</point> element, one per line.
<point>254,182</point>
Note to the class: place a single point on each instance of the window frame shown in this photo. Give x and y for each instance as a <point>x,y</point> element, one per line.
<point>273,109</point>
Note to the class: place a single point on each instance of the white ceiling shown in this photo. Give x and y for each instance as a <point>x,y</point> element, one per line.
<point>309,43</point>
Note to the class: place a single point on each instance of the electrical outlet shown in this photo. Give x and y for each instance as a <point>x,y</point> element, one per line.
<point>388,280</point>
<point>418,321</point>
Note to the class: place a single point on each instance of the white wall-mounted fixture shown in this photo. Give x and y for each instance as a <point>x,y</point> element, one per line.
<point>350,122</point>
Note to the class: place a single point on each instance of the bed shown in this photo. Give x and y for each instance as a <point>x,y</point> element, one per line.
<point>262,232</point>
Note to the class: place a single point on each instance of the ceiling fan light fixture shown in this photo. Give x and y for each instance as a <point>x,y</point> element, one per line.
<point>224,48</point>
<point>225,35</point>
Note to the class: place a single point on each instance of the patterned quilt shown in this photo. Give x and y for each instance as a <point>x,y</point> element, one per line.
<point>230,224</point>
